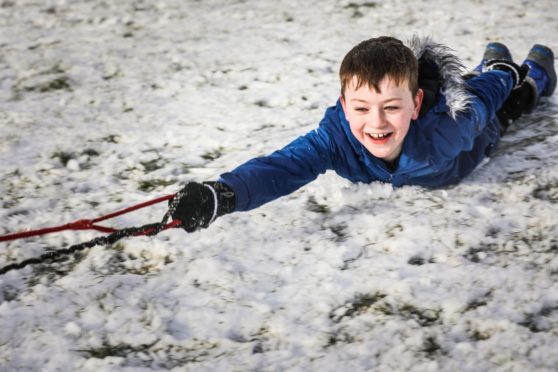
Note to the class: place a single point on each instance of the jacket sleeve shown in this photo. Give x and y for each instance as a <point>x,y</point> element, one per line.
<point>264,179</point>
<point>488,91</point>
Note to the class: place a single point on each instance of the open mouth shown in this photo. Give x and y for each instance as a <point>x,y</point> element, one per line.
<point>379,137</point>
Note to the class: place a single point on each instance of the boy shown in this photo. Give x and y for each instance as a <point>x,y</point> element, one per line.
<point>405,116</point>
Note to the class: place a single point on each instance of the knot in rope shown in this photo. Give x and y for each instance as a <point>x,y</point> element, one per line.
<point>80,225</point>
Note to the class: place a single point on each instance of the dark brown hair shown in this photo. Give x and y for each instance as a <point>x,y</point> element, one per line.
<point>373,59</point>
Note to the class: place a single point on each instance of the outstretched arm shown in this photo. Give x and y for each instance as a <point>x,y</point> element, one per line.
<point>250,185</point>
<point>263,179</point>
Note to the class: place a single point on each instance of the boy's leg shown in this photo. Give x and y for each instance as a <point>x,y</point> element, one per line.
<point>540,82</point>
<point>508,112</point>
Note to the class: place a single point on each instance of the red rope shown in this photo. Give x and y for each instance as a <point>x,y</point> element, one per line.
<point>170,225</point>
<point>90,224</point>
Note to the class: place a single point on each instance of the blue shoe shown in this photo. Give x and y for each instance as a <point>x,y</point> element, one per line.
<point>494,50</point>
<point>542,71</point>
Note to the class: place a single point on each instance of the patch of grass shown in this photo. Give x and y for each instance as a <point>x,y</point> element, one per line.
<point>262,103</point>
<point>359,305</point>
<point>63,157</point>
<point>212,155</point>
<point>347,262</point>
<point>90,152</point>
<point>424,317</point>
<point>9,293</point>
<point>263,127</point>
<point>150,355</point>
<point>392,231</point>
<point>118,350</point>
<point>111,138</point>
<point>547,310</point>
<point>121,262</point>
<point>547,192</point>
<point>478,335</point>
<point>477,254</point>
<point>385,308</point>
<point>258,348</point>
<point>370,4</point>
<point>59,268</point>
<point>152,165</point>
<point>339,337</point>
<point>431,347</point>
<point>150,185</point>
<point>535,322</point>
<point>185,168</point>
<point>340,231</point>
<point>313,206</point>
<point>57,83</point>
<point>417,261</point>
<point>478,302</point>
<point>356,8</point>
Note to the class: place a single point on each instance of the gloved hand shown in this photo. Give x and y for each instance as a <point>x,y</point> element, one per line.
<point>519,73</point>
<point>201,203</point>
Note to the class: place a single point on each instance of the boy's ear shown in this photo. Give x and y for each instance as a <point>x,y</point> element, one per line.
<point>418,103</point>
<point>343,104</point>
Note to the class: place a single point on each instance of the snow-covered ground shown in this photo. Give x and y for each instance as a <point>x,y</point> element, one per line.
<point>105,104</point>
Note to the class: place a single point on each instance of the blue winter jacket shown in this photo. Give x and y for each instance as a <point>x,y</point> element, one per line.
<point>442,146</point>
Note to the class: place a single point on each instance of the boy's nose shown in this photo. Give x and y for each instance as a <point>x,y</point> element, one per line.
<point>377,119</point>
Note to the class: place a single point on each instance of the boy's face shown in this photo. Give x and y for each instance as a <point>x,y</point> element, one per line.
<point>380,121</point>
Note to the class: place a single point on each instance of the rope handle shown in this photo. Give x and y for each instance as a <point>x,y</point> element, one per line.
<point>85,224</point>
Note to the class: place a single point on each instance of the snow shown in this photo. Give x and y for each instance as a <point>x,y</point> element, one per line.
<point>105,104</point>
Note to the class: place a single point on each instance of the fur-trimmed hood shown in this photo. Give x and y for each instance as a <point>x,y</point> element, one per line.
<point>449,70</point>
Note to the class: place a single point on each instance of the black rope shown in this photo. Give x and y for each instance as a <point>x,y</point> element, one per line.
<point>59,255</point>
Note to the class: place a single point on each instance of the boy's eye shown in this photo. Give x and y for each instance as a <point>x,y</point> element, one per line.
<point>361,109</point>
<point>391,108</point>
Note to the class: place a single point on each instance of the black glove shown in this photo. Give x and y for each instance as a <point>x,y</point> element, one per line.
<point>201,203</point>
<point>518,72</point>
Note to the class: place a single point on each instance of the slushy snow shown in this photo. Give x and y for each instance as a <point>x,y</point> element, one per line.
<point>105,104</point>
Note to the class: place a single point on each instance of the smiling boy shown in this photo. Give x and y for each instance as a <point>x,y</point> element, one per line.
<point>405,116</point>
<point>380,113</point>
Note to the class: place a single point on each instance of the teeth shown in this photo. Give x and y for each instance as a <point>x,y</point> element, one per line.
<point>378,135</point>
